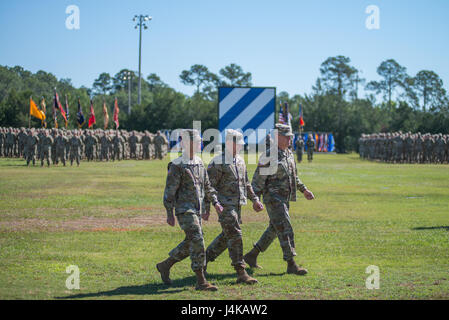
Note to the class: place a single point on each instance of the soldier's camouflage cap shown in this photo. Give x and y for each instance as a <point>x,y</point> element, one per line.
<point>284,129</point>
<point>232,134</point>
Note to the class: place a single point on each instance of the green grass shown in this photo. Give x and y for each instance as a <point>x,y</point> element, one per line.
<point>393,216</point>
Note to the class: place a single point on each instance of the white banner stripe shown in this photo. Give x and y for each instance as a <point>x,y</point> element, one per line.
<point>252,109</point>
<point>231,99</point>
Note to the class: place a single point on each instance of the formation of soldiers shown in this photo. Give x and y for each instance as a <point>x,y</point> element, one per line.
<point>407,147</point>
<point>52,146</point>
<point>191,189</point>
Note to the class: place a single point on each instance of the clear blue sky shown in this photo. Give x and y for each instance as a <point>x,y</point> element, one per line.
<point>282,43</point>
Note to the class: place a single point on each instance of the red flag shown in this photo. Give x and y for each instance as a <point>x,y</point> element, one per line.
<point>59,106</point>
<point>116,111</point>
<point>301,119</point>
<point>92,115</point>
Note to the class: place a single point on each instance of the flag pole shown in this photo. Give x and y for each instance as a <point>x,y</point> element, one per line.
<point>29,115</point>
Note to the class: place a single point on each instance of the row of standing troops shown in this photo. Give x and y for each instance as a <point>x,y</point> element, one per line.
<point>401,147</point>
<point>60,145</point>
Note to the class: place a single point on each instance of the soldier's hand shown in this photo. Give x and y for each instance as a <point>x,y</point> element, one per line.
<point>206,215</point>
<point>309,195</point>
<point>171,220</point>
<point>218,208</point>
<point>257,206</point>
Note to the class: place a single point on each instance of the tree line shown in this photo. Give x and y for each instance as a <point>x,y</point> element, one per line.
<point>398,101</point>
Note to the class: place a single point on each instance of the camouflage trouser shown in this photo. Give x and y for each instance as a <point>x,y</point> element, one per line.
<point>299,156</point>
<point>281,227</point>
<point>104,154</point>
<point>60,155</point>
<point>45,155</point>
<point>8,150</point>
<point>89,152</point>
<point>74,155</point>
<point>30,156</point>
<point>132,153</point>
<point>193,243</point>
<point>309,155</point>
<point>117,153</point>
<point>158,150</point>
<point>230,238</point>
<point>146,151</point>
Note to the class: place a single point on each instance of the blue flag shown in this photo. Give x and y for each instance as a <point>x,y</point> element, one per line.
<point>80,115</point>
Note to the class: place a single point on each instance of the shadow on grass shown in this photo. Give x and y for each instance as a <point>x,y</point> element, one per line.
<point>178,285</point>
<point>432,228</point>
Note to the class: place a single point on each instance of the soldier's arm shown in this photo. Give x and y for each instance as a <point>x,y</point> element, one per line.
<point>299,185</point>
<point>258,182</point>
<point>215,173</point>
<point>249,189</point>
<point>171,187</point>
<point>210,192</point>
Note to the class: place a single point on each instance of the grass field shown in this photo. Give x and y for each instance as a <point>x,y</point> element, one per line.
<point>108,219</point>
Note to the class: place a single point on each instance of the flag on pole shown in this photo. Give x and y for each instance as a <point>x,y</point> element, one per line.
<point>58,105</point>
<point>105,115</point>
<point>116,111</point>
<point>55,118</point>
<point>35,112</point>
<point>301,119</point>
<point>66,111</point>
<point>44,110</point>
<point>92,115</point>
<point>80,115</point>
<point>285,116</point>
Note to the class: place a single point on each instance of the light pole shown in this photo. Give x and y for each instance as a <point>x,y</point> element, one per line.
<point>128,76</point>
<point>141,19</point>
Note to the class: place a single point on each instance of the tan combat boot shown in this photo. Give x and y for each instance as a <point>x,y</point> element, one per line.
<point>293,268</point>
<point>202,283</point>
<point>251,258</point>
<point>164,269</point>
<point>243,277</point>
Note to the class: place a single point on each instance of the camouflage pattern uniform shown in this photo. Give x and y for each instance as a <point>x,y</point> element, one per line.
<point>30,148</point>
<point>159,142</point>
<point>47,142</point>
<point>229,177</point>
<point>278,189</point>
<point>299,148</point>
<point>310,147</point>
<point>75,146</point>
<point>186,187</point>
<point>61,143</point>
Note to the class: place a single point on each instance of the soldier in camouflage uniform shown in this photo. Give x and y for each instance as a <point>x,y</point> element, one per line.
<point>159,142</point>
<point>186,187</point>
<point>299,148</point>
<point>228,175</point>
<point>21,137</point>
<point>47,142</point>
<point>30,147</point>
<point>9,143</point>
<point>61,142</point>
<point>116,141</point>
<point>75,146</point>
<point>278,187</point>
<point>310,148</point>
<point>104,147</point>
<point>146,141</point>
<point>133,140</point>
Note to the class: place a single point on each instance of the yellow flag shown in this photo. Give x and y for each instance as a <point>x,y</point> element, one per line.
<point>35,112</point>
